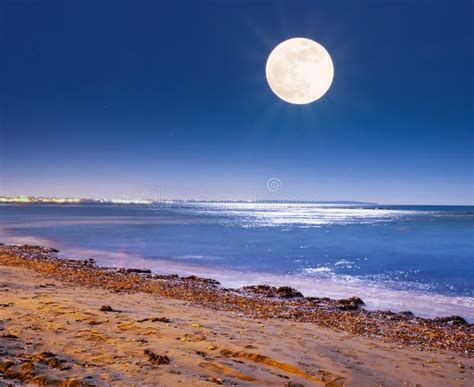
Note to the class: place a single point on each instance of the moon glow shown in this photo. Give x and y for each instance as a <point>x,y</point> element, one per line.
<point>299,71</point>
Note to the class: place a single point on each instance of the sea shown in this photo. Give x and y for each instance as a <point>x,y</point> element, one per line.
<point>399,258</point>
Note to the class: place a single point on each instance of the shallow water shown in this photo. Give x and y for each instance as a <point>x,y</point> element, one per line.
<point>397,257</point>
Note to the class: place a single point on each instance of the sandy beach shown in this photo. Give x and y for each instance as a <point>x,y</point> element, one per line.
<point>73,323</point>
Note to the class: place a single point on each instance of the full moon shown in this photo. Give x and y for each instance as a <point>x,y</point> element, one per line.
<point>299,71</point>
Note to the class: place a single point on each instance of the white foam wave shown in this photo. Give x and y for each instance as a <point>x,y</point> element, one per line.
<point>313,270</point>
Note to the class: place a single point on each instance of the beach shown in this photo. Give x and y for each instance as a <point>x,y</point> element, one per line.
<point>72,322</point>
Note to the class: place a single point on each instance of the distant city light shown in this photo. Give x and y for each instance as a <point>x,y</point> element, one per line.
<point>56,200</point>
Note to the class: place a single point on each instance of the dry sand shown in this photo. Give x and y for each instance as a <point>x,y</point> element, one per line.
<point>203,346</point>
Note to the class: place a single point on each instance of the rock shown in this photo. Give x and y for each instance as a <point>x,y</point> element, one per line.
<point>139,271</point>
<point>451,320</point>
<point>210,281</point>
<point>52,250</point>
<point>199,279</point>
<point>263,290</point>
<point>271,291</point>
<point>46,285</point>
<point>166,276</point>
<point>352,303</point>
<point>89,262</point>
<point>155,358</point>
<point>287,292</point>
<point>155,319</point>
<point>108,308</point>
<point>160,319</point>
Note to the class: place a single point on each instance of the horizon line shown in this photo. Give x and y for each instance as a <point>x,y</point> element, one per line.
<point>34,199</point>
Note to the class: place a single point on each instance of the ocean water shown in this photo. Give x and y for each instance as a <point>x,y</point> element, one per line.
<point>418,258</point>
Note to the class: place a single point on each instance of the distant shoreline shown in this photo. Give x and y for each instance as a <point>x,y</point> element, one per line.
<point>68,200</point>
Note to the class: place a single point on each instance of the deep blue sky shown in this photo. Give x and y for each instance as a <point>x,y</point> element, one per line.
<point>113,98</point>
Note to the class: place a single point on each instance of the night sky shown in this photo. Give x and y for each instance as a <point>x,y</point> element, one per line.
<point>169,99</point>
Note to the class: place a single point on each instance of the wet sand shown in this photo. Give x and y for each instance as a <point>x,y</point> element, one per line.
<point>73,323</point>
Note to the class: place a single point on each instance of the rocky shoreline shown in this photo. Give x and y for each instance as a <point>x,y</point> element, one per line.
<point>450,333</point>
